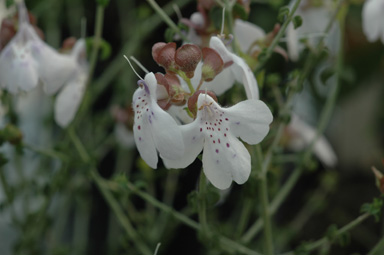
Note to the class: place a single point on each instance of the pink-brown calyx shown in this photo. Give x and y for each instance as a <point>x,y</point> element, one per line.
<point>187,57</point>
<point>213,64</point>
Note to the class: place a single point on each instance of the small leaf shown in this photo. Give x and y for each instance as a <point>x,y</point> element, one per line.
<point>239,10</point>
<point>297,21</point>
<point>283,13</point>
<point>373,208</point>
<point>169,35</point>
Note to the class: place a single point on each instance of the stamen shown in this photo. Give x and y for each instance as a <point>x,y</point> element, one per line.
<point>157,248</point>
<point>133,69</point>
<point>139,64</point>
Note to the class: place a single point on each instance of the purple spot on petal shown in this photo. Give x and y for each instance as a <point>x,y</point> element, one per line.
<point>140,138</point>
<point>227,145</point>
<point>237,123</point>
<point>217,150</point>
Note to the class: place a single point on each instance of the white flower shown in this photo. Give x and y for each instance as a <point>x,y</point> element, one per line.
<point>69,98</point>
<point>154,129</point>
<point>247,34</point>
<point>373,20</point>
<point>26,60</point>
<point>315,20</point>
<point>302,136</point>
<point>215,130</point>
<point>239,70</point>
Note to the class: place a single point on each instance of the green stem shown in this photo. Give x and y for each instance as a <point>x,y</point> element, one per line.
<point>124,221</point>
<point>202,209</point>
<point>324,119</point>
<point>265,212</point>
<point>167,19</point>
<point>224,241</point>
<point>275,204</point>
<point>47,152</point>
<point>378,249</point>
<point>277,38</point>
<point>96,40</point>
<point>341,231</point>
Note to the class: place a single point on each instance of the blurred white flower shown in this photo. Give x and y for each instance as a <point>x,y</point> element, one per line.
<point>69,98</point>
<point>27,60</point>
<point>315,20</point>
<point>373,20</point>
<point>301,136</point>
<point>215,131</point>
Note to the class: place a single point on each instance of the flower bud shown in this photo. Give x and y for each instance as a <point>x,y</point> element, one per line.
<point>12,134</point>
<point>187,57</point>
<point>164,55</point>
<point>192,101</point>
<point>212,64</point>
<point>379,179</point>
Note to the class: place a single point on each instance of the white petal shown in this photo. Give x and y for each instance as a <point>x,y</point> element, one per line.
<point>193,138</point>
<point>216,44</point>
<point>371,19</point>
<point>292,43</point>
<point>245,75</point>
<point>166,133</point>
<point>303,135</point>
<point>221,83</point>
<point>224,162</point>
<point>249,120</point>
<point>143,133</point>
<point>17,68</point>
<point>239,68</point>
<point>247,33</point>
<point>54,68</point>
<point>69,99</point>
<point>154,128</point>
<point>179,114</point>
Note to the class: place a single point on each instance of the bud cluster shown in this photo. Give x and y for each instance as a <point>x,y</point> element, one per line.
<point>182,63</point>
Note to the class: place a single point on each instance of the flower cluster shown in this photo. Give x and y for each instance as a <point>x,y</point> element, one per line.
<point>26,62</point>
<point>186,94</point>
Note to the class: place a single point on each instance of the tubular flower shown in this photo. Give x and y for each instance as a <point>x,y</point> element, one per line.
<point>26,60</point>
<point>215,131</point>
<point>154,129</point>
<point>373,21</point>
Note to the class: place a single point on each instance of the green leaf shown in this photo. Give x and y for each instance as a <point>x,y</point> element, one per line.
<point>9,3</point>
<point>169,35</point>
<point>105,47</point>
<point>373,208</point>
<point>283,13</point>
<point>103,3</point>
<point>239,10</point>
<point>297,21</point>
